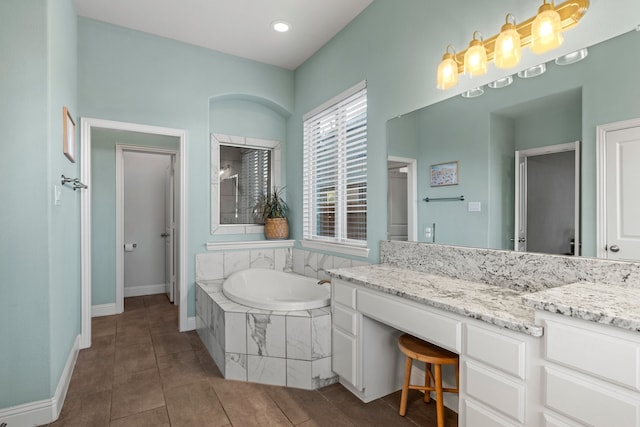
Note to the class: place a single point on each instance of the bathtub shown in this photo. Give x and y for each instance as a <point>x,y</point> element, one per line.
<point>275,290</point>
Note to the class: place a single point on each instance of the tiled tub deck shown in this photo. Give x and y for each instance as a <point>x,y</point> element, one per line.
<point>285,348</point>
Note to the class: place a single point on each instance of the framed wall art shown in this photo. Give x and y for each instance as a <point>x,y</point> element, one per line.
<point>68,135</point>
<point>443,174</point>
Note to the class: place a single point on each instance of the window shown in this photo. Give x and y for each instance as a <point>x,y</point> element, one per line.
<point>241,170</point>
<point>335,170</point>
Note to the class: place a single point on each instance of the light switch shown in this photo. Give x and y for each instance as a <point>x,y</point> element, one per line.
<point>56,195</point>
<point>475,207</point>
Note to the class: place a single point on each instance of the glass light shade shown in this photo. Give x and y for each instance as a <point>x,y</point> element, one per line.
<point>500,83</point>
<point>472,93</point>
<point>546,30</point>
<point>534,71</point>
<point>508,50</point>
<point>573,57</point>
<point>447,72</point>
<point>475,59</point>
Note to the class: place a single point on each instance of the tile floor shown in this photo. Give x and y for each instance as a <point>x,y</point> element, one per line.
<point>140,371</point>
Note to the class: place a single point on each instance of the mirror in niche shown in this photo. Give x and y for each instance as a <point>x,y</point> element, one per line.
<point>242,169</point>
<point>559,108</point>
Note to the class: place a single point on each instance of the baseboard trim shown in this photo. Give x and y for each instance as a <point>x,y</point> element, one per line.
<point>103,310</point>
<point>47,410</point>
<point>137,291</point>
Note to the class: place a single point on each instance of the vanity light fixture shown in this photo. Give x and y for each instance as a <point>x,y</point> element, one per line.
<point>473,93</point>
<point>475,59</point>
<point>500,83</point>
<point>505,49</point>
<point>281,26</point>
<point>546,29</point>
<point>508,45</point>
<point>573,57</point>
<point>448,70</point>
<point>534,71</point>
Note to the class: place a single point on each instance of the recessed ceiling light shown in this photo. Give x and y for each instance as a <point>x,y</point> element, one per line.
<point>280,26</point>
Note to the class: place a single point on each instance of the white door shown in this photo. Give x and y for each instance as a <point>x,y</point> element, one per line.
<point>547,199</point>
<point>169,231</point>
<point>622,200</point>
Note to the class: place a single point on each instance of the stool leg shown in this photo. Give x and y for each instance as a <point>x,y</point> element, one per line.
<point>405,387</point>
<point>439,396</point>
<point>427,382</point>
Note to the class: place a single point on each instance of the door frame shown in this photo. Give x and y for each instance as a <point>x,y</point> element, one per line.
<point>601,179</point>
<point>120,150</point>
<point>520,204</point>
<point>86,125</point>
<point>412,195</point>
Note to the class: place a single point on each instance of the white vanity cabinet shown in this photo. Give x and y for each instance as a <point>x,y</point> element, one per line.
<point>499,369</point>
<point>591,373</point>
<point>500,377</point>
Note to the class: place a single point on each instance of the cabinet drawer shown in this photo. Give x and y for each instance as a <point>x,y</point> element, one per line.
<point>593,352</point>
<point>440,330</point>
<point>496,350</point>
<point>345,319</point>
<point>589,401</point>
<point>344,294</point>
<point>478,416</point>
<point>495,390</point>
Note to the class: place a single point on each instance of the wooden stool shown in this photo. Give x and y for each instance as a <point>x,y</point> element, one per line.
<point>415,348</point>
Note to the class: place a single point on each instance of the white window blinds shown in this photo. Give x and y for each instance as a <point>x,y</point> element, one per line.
<point>335,170</point>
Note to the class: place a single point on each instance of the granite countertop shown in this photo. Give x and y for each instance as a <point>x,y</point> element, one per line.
<point>607,304</point>
<point>496,305</point>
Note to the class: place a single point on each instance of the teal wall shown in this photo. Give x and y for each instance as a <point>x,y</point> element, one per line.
<point>484,132</point>
<point>130,76</point>
<point>103,204</point>
<point>39,249</point>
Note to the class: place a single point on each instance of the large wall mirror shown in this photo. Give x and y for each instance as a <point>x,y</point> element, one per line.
<point>559,109</point>
<point>242,169</point>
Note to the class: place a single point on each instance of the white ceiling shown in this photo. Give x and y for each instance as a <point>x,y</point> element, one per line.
<point>237,27</point>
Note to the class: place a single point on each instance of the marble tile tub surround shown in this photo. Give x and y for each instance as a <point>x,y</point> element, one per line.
<point>520,271</point>
<point>215,265</point>
<point>269,347</point>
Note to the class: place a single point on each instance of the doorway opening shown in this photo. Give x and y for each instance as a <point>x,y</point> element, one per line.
<point>402,197</point>
<point>145,222</point>
<point>88,126</point>
<point>547,199</point>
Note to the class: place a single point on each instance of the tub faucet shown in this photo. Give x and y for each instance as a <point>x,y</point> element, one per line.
<point>323,281</point>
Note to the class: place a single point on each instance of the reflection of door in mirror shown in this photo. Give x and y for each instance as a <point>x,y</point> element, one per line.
<point>619,204</point>
<point>547,200</point>
<point>397,204</point>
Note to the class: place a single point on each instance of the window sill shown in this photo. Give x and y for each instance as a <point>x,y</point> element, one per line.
<point>360,251</point>
<point>254,244</point>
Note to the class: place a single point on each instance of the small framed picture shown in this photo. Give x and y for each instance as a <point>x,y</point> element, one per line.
<point>68,135</point>
<point>444,174</point>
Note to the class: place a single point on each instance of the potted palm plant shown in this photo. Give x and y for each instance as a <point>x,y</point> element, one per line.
<point>272,209</point>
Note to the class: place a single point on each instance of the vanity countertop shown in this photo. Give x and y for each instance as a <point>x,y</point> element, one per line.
<point>499,306</point>
<point>607,304</point>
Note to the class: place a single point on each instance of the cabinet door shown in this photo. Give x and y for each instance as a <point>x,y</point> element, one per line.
<point>344,356</point>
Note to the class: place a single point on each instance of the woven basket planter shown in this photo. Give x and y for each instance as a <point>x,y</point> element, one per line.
<point>276,228</point>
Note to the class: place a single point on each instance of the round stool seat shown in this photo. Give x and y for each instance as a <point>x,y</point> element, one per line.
<point>423,351</point>
<point>432,355</point>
